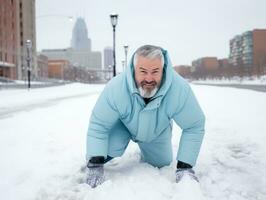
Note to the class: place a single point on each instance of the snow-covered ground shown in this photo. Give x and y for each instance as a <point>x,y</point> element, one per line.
<point>42,149</point>
<point>236,80</point>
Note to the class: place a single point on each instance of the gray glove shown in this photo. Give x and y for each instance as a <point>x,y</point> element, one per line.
<point>185,172</point>
<point>95,174</point>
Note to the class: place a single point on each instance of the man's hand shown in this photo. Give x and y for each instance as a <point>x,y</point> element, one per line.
<point>185,172</point>
<point>95,171</point>
<point>95,175</point>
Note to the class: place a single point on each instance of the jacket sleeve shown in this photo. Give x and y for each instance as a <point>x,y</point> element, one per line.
<point>191,120</point>
<point>103,117</point>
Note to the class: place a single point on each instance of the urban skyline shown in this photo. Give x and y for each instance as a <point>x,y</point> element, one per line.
<point>81,41</point>
<point>187,30</point>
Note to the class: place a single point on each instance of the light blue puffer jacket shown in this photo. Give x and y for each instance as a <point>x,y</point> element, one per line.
<point>120,100</point>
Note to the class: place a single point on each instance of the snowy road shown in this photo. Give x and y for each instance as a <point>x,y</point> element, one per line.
<point>42,148</point>
<point>6,112</point>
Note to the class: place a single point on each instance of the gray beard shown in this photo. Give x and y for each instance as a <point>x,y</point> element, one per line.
<point>147,94</point>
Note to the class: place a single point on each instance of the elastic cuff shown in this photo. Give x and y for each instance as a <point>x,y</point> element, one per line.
<point>97,160</point>
<point>182,165</point>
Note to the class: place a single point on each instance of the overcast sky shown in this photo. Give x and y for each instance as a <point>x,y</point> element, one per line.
<point>188,29</point>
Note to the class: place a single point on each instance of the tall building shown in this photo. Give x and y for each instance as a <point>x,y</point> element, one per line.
<point>108,57</point>
<point>248,52</point>
<point>80,40</point>
<point>26,26</point>
<point>79,54</point>
<point>17,24</point>
<point>8,39</point>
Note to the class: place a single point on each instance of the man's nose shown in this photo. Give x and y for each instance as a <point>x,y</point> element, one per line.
<point>149,78</point>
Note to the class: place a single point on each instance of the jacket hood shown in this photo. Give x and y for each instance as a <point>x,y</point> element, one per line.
<point>166,79</point>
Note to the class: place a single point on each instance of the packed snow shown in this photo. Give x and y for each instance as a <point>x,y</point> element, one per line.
<point>43,139</point>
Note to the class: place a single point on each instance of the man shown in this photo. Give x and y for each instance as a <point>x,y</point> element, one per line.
<point>139,105</point>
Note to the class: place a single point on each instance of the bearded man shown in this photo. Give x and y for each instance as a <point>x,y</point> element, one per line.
<point>140,105</point>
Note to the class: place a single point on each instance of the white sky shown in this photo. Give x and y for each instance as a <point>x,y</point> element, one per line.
<point>187,29</point>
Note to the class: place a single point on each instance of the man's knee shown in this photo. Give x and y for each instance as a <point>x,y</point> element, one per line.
<point>159,162</point>
<point>167,160</point>
<point>158,155</point>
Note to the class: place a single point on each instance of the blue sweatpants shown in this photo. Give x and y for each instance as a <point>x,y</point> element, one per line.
<point>157,152</point>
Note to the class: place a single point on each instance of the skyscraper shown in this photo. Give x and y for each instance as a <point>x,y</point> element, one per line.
<point>79,54</point>
<point>80,40</point>
<point>8,40</point>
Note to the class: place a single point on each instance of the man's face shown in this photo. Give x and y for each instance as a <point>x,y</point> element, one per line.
<point>148,75</point>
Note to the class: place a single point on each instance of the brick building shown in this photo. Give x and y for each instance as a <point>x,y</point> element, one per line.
<point>17,24</point>
<point>57,68</point>
<point>183,70</point>
<point>205,66</point>
<point>8,39</point>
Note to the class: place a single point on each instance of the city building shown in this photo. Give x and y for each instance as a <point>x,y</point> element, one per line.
<point>57,68</point>
<point>206,63</point>
<point>90,60</point>
<point>79,54</point>
<point>183,70</point>
<point>205,66</point>
<point>248,52</point>
<point>108,58</point>
<point>225,69</point>
<point>80,40</point>
<point>42,62</point>
<point>8,39</point>
<point>17,24</point>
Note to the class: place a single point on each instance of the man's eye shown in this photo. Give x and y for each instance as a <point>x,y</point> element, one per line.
<point>155,72</point>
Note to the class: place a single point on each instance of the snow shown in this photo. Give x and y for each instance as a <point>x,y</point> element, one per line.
<point>235,80</point>
<point>42,149</point>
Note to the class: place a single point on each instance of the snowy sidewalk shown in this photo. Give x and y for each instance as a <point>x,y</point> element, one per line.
<point>42,149</point>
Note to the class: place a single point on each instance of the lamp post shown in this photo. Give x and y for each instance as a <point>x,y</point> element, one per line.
<point>126,50</point>
<point>28,59</point>
<point>114,23</point>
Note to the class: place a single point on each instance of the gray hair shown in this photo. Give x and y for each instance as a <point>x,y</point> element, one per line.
<point>149,51</point>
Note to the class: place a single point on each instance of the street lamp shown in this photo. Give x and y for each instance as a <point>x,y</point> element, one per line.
<point>28,59</point>
<point>114,23</point>
<point>126,50</point>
